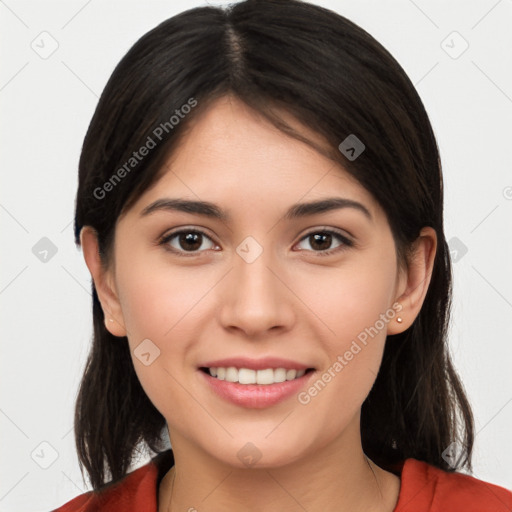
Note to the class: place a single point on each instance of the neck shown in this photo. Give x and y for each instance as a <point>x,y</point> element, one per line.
<point>337,477</point>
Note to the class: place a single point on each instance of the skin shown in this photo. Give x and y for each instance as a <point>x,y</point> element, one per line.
<point>290,302</point>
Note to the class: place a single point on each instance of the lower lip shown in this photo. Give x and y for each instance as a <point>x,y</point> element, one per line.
<point>256,396</point>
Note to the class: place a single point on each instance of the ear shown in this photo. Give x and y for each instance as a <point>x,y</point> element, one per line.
<point>416,280</point>
<point>103,282</point>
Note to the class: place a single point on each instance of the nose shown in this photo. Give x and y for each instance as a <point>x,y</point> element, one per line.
<point>256,296</point>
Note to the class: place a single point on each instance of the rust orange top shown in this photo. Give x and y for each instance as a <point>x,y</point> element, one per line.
<point>423,488</point>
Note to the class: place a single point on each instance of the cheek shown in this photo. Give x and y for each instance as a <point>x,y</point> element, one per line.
<point>336,394</point>
<point>349,300</point>
<point>354,355</point>
<point>157,299</point>
<point>352,307</point>
<point>164,305</point>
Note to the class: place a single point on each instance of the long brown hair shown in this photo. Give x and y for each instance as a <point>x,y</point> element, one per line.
<point>336,79</point>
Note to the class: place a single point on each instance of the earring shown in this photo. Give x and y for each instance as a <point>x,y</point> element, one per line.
<point>111,320</point>
<point>399,319</point>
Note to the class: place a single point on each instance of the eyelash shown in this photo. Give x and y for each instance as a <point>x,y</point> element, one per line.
<point>346,243</point>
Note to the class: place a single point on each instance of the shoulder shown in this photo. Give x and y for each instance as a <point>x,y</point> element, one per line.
<point>426,488</point>
<point>138,490</point>
<point>136,487</point>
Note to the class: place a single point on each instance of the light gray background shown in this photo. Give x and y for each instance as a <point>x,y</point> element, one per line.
<point>46,107</point>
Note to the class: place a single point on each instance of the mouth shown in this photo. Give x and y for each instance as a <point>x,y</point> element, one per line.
<point>247,376</point>
<point>255,388</point>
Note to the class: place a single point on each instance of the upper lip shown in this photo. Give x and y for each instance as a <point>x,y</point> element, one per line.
<point>255,364</point>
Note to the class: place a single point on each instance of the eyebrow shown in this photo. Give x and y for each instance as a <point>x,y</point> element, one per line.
<point>211,210</point>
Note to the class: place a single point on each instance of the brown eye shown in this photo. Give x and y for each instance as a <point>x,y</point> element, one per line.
<point>186,241</point>
<point>321,242</point>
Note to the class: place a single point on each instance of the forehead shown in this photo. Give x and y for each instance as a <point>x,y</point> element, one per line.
<point>231,154</point>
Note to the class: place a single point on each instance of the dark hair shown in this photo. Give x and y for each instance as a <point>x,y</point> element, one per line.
<point>336,79</point>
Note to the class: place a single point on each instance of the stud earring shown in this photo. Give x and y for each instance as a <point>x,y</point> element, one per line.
<point>399,319</point>
<point>111,320</point>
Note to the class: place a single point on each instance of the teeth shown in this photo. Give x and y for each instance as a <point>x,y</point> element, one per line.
<point>248,376</point>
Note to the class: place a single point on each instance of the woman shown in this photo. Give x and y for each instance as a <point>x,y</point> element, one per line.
<point>260,207</point>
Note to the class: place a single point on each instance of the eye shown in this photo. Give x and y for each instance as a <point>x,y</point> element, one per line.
<point>192,241</point>
<point>187,241</point>
<point>323,239</point>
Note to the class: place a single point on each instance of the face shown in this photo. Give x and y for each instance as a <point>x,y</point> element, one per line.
<point>315,290</point>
